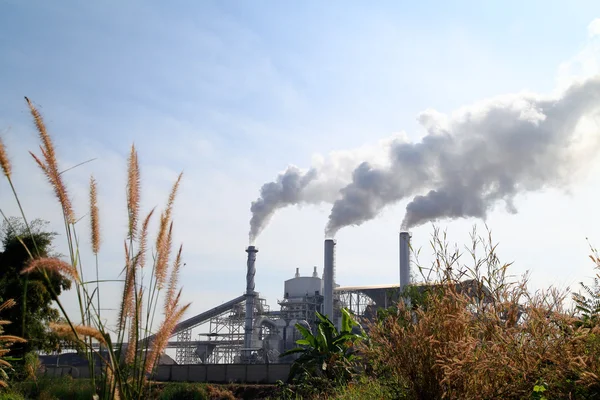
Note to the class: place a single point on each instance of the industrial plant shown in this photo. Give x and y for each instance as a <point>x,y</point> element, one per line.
<point>246,330</point>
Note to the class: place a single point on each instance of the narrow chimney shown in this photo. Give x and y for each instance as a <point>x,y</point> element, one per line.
<point>315,274</point>
<point>297,273</point>
<point>250,296</point>
<point>329,277</point>
<point>404,259</point>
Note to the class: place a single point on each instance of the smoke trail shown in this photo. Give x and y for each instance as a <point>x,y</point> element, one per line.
<point>482,154</point>
<point>320,184</point>
<point>285,190</point>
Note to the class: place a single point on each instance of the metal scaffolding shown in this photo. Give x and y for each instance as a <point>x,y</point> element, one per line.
<point>225,337</point>
<point>301,308</point>
<point>186,351</point>
<point>358,303</point>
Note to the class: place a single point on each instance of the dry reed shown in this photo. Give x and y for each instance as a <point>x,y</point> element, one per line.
<point>124,377</point>
<point>127,307</point>
<point>162,336</point>
<point>164,238</point>
<point>94,217</point>
<point>50,166</point>
<point>4,161</point>
<point>162,259</point>
<point>8,304</point>
<point>481,344</point>
<point>173,280</point>
<point>144,240</point>
<point>134,324</point>
<point>52,264</point>
<point>133,192</point>
<point>66,330</point>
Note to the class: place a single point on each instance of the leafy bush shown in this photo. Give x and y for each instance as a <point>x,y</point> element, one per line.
<point>367,388</point>
<point>56,388</point>
<point>183,391</point>
<point>11,396</point>
<point>327,357</point>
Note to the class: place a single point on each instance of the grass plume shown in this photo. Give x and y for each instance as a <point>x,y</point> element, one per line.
<point>123,373</point>
<point>52,264</point>
<point>94,217</point>
<point>162,337</point>
<point>4,161</point>
<point>133,191</point>
<point>49,165</point>
<point>173,281</point>
<point>66,330</point>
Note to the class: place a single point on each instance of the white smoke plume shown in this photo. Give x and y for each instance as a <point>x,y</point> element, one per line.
<point>481,154</point>
<point>319,184</point>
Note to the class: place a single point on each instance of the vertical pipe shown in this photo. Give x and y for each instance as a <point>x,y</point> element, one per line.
<point>404,259</point>
<point>250,296</point>
<point>329,277</point>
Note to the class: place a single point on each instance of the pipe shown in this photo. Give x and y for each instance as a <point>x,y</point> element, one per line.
<point>329,277</point>
<point>404,259</point>
<point>250,296</point>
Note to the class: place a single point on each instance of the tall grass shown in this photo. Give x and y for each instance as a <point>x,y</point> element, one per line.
<point>489,338</point>
<point>6,341</point>
<point>146,280</point>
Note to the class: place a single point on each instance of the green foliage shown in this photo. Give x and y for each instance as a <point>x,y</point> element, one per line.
<point>367,388</point>
<point>30,291</point>
<point>538,392</point>
<point>183,391</point>
<point>326,356</point>
<point>56,388</point>
<point>588,304</point>
<point>11,396</point>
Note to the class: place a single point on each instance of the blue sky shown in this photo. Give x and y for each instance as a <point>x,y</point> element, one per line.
<point>233,92</point>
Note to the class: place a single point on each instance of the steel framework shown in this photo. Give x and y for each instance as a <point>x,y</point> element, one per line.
<point>185,353</point>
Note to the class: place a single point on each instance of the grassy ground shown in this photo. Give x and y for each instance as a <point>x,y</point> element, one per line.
<point>76,389</point>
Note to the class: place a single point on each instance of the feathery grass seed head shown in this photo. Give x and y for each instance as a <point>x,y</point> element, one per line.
<point>4,162</point>
<point>133,191</point>
<point>52,264</point>
<point>94,217</point>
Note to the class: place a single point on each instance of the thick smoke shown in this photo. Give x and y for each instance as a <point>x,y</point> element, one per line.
<point>470,160</point>
<point>286,190</point>
<point>319,184</point>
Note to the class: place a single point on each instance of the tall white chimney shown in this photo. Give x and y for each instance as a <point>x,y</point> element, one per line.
<point>329,277</point>
<point>404,259</point>
<point>250,297</point>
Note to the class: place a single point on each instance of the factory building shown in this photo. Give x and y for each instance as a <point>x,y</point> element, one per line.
<point>246,330</point>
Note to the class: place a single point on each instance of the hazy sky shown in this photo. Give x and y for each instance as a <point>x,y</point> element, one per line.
<point>233,92</point>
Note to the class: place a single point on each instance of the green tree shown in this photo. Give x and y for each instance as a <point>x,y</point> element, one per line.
<point>327,354</point>
<point>33,311</point>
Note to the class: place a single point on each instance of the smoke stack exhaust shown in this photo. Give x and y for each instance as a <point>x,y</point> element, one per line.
<point>250,297</point>
<point>329,277</point>
<point>404,259</point>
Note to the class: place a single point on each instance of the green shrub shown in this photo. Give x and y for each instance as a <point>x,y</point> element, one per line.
<point>366,388</point>
<point>56,388</point>
<point>11,396</point>
<point>183,391</point>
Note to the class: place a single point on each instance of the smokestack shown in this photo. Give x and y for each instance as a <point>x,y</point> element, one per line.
<point>297,273</point>
<point>250,296</point>
<point>329,277</point>
<point>315,274</point>
<point>404,259</point>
